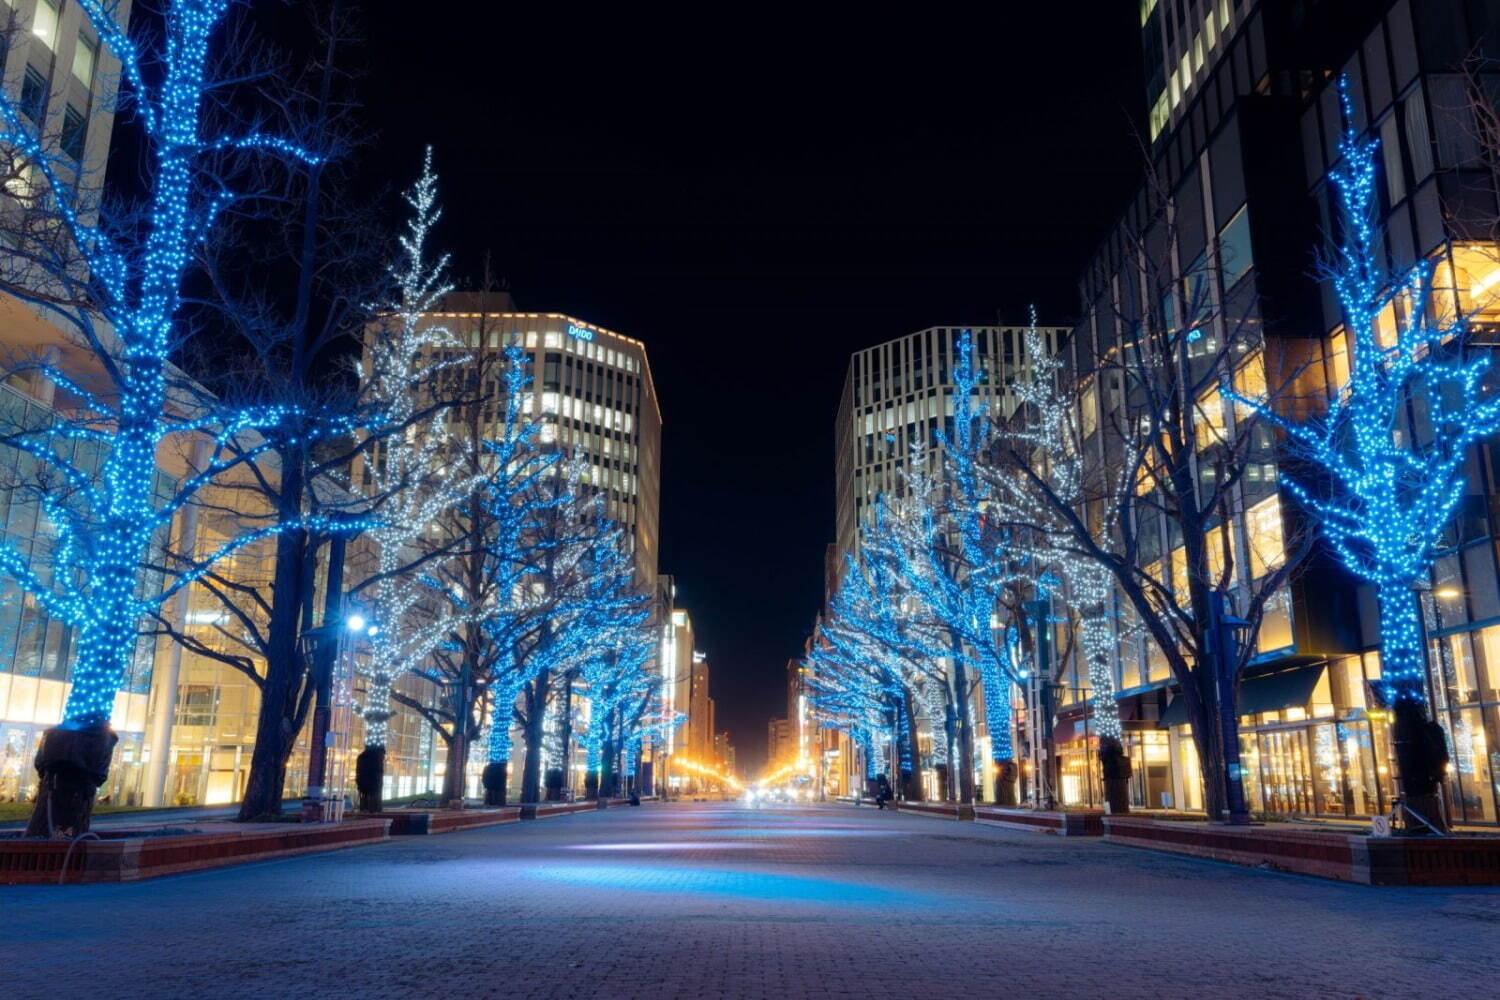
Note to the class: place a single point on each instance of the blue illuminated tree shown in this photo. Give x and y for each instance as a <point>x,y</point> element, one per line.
<point>876,628</point>
<point>116,284</point>
<point>1387,455</point>
<point>954,553</point>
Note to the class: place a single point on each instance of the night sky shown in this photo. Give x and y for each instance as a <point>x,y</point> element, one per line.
<point>755,192</point>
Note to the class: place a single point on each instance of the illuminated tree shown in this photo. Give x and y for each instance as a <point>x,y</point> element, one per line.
<point>116,282</point>
<point>410,479</point>
<point>953,550</point>
<point>1045,428</point>
<point>1389,450</point>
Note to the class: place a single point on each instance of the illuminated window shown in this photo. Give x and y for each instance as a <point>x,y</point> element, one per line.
<point>1267,542</point>
<point>1477,267</point>
<point>85,58</point>
<point>1209,423</point>
<point>1338,359</point>
<point>44,24</point>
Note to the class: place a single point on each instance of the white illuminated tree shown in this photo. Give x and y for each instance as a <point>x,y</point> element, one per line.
<point>410,479</point>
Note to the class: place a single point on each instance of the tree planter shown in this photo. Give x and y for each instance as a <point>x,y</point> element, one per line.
<point>126,856</point>
<point>1063,823</point>
<point>1367,860</point>
<point>406,823</point>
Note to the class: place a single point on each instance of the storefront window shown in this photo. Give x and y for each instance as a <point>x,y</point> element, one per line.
<point>1470,772</point>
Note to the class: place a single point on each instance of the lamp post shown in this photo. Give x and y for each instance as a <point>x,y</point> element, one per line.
<point>1226,633</point>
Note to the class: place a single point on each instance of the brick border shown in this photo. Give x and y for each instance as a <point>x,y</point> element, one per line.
<point>128,856</point>
<point>1365,860</point>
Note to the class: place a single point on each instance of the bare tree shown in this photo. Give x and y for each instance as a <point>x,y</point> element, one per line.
<point>1166,475</point>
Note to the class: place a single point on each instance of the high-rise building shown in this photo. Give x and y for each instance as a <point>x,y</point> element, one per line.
<point>1244,121</point>
<point>592,392</point>
<point>56,74</point>
<point>898,394</point>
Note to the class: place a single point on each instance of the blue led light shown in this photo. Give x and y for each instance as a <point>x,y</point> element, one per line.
<point>1389,499</point>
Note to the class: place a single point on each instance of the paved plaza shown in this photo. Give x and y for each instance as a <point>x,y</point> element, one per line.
<point>712,900</point>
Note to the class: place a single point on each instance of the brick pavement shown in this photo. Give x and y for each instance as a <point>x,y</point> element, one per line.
<point>715,901</point>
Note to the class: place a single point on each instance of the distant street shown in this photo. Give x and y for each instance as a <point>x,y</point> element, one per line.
<point>712,900</point>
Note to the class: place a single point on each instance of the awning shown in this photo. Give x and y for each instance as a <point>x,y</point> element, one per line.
<point>1285,689</point>
<point>1266,693</point>
<point>1175,714</point>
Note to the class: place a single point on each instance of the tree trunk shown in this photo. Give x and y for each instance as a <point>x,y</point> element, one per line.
<point>609,776</point>
<point>1114,763</point>
<point>456,770</point>
<point>369,778</point>
<point>281,690</point>
<point>1420,745</point>
<point>965,734</point>
<point>565,730</point>
<point>536,709</point>
<point>911,781</point>
<point>494,780</point>
<point>71,764</point>
<point>1005,782</point>
<point>591,784</point>
<point>1201,713</point>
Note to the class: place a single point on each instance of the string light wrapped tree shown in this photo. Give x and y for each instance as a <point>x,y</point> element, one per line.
<point>954,554</point>
<point>1387,454</point>
<point>1046,429</point>
<point>408,482</point>
<point>113,276</point>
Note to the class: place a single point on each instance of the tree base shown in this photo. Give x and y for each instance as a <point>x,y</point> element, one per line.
<point>1421,757</point>
<point>1005,783</point>
<point>494,779</point>
<point>72,764</point>
<point>369,778</point>
<point>1115,764</point>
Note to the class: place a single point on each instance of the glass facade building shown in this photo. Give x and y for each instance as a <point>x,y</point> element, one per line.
<point>1244,121</point>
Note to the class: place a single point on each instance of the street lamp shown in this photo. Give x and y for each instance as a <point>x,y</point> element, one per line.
<point>1225,636</point>
<point>321,648</point>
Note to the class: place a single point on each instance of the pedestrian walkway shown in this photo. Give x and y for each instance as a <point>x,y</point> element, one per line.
<point>713,900</point>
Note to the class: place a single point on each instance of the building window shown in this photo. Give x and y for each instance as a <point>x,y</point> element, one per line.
<point>85,58</point>
<point>75,128</point>
<point>44,24</point>
<point>1235,255</point>
<point>33,93</point>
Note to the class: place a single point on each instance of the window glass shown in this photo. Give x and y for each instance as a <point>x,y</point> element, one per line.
<point>85,56</point>
<point>1267,544</point>
<point>44,24</point>
<point>1235,256</point>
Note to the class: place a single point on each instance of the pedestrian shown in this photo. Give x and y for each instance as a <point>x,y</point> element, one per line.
<point>884,794</point>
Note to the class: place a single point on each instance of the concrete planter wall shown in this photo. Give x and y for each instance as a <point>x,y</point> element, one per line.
<point>406,823</point>
<point>1083,823</point>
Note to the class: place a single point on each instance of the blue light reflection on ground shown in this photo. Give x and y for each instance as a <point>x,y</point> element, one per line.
<point>746,885</point>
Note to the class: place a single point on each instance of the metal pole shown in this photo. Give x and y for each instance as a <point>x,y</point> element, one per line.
<point>1226,657</point>
<point>323,655</point>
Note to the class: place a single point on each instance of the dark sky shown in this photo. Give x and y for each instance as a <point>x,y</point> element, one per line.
<point>755,192</point>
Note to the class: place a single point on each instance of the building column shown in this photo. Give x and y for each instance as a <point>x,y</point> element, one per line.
<point>163,708</point>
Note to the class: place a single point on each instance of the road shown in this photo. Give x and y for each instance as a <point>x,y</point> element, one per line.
<point>712,900</point>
